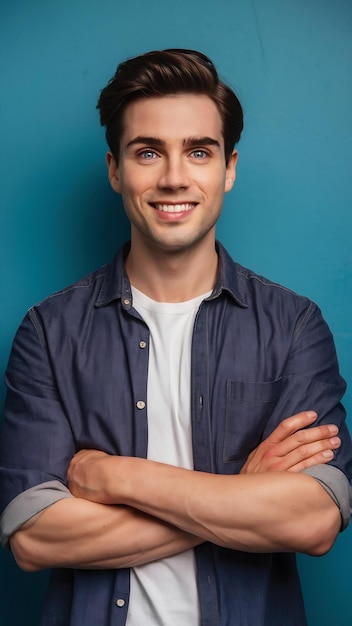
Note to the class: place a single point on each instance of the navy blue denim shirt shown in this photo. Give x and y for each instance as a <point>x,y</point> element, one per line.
<point>77,373</point>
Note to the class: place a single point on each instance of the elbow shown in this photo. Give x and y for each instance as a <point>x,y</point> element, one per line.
<point>319,523</point>
<point>27,565</point>
<point>321,546</point>
<point>323,533</point>
<point>23,555</point>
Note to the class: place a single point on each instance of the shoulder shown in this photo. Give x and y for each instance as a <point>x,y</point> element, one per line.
<point>249,287</point>
<point>93,290</point>
<point>268,305</point>
<point>75,309</point>
<point>250,282</point>
<point>86,288</point>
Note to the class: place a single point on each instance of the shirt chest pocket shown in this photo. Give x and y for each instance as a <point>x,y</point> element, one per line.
<point>248,408</point>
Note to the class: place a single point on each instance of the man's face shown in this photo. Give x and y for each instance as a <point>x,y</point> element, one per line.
<point>172,172</point>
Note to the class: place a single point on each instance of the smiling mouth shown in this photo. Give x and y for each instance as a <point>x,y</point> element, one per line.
<point>174,208</point>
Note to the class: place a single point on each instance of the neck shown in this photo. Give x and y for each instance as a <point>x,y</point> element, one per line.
<point>168,276</point>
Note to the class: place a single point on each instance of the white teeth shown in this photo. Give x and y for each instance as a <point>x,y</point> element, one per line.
<point>174,208</point>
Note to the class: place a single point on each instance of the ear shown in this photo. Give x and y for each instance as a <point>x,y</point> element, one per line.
<point>113,172</point>
<point>231,171</point>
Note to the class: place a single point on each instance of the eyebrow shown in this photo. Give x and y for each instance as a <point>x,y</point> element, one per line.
<point>193,142</point>
<point>189,142</point>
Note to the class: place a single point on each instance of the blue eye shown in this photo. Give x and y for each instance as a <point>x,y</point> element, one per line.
<point>148,155</point>
<point>200,154</point>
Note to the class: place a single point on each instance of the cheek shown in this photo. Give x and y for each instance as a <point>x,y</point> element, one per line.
<point>135,183</point>
<point>218,188</point>
<point>212,182</point>
<point>129,188</point>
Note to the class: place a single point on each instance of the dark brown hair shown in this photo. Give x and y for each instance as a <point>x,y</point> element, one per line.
<point>167,72</point>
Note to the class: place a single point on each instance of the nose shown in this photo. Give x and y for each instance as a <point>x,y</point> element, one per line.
<point>174,174</point>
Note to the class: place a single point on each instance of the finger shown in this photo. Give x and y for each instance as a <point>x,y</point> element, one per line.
<point>291,424</point>
<point>321,458</point>
<point>305,437</point>
<point>306,455</point>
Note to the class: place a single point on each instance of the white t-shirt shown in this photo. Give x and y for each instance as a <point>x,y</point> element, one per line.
<point>164,593</point>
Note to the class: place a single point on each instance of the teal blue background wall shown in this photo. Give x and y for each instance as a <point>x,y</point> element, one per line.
<point>289,216</point>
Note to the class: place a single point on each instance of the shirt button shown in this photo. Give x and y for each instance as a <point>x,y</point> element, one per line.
<point>142,344</point>
<point>126,301</point>
<point>120,603</point>
<point>140,404</point>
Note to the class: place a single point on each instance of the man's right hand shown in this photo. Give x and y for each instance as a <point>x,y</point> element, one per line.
<point>292,447</point>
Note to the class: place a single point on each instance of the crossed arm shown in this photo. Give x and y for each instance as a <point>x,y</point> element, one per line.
<point>129,511</point>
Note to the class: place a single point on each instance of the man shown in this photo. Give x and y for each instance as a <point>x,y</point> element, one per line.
<point>149,457</point>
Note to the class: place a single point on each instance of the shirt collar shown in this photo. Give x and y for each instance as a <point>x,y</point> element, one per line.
<point>116,284</point>
<point>227,278</point>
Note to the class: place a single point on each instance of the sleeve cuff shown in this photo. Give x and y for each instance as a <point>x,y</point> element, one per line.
<point>336,484</point>
<point>28,504</point>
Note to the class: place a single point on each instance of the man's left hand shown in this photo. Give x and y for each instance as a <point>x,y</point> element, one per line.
<point>292,447</point>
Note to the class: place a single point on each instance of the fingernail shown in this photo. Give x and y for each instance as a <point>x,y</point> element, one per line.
<point>335,441</point>
<point>328,454</point>
<point>333,429</point>
<point>311,414</point>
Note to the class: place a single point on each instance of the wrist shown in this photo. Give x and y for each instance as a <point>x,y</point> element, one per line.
<point>118,477</point>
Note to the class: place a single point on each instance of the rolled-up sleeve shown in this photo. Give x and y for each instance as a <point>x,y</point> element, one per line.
<point>37,442</point>
<point>27,504</point>
<point>337,486</point>
<point>311,381</point>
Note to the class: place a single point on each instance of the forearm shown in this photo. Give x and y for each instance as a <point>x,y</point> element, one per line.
<point>77,533</point>
<point>265,512</point>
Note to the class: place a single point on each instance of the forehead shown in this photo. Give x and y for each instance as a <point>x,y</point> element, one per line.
<point>172,117</point>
